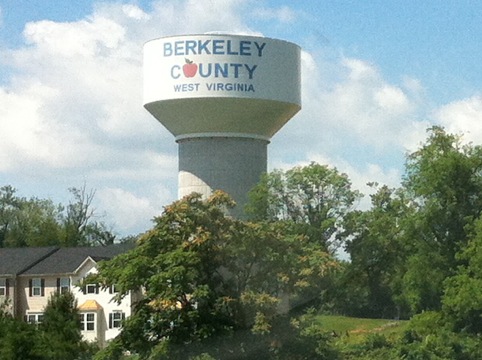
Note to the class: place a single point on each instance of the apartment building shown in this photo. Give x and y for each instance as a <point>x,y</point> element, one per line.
<point>29,276</point>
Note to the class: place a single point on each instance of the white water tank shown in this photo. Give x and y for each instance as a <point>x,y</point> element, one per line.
<point>223,97</point>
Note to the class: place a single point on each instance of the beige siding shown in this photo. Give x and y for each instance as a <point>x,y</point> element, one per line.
<point>29,303</point>
<point>10,298</point>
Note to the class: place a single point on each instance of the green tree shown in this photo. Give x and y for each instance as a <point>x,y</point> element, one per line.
<point>370,283</point>
<point>79,213</point>
<point>28,222</point>
<point>37,223</point>
<point>56,338</point>
<point>40,222</point>
<point>462,300</point>
<point>205,274</point>
<point>80,225</point>
<point>314,198</point>
<point>404,247</point>
<point>60,337</point>
<point>443,178</point>
<point>444,182</point>
<point>18,340</point>
<point>9,205</point>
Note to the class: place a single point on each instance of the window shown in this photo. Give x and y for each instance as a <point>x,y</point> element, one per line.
<point>91,289</point>
<point>63,285</point>
<point>87,322</point>
<point>3,287</point>
<point>35,318</point>
<point>113,289</point>
<point>36,287</point>
<point>115,319</point>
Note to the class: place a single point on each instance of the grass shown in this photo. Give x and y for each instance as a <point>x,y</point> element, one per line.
<point>354,330</point>
<point>350,333</point>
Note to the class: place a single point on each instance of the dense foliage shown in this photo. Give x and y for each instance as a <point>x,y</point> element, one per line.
<point>204,274</point>
<point>314,199</point>
<point>56,338</point>
<point>219,288</point>
<point>407,246</point>
<point>39,222</point>
<point>418,254</point>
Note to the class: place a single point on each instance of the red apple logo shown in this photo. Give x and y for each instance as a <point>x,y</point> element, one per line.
<point>189,69</point>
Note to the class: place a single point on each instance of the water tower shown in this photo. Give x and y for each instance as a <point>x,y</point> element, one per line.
<point>223,97</point>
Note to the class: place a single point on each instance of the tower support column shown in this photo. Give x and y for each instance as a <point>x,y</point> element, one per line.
<point>229,163</point>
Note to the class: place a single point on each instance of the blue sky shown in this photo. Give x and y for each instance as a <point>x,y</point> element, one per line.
<point>376,74</point>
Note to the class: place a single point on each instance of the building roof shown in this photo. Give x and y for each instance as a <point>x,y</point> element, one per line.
<point>14,261</point>
<point>67,260</point>
<point>53,260</point>
<point>90,305</point>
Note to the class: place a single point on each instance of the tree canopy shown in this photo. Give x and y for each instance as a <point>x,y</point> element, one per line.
<point>203,273</point>
<point>315,199</point>
<point>56,338</point>
<point>40,222</point>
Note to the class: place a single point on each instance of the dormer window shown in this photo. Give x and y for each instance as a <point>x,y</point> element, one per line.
<point>91,289</point>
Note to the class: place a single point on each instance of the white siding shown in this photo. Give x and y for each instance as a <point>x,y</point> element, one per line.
<point>36,304</point>
<point>102,334</point>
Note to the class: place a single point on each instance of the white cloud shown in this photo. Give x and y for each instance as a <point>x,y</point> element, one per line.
<point>367,106</point>
<point>191,16</point>
<point>19,127</point>
<point>283,14</point>
<point>391,98</point>
<point>134,12</point>
<point>463,117</point>
<point>128,210</point>
<point>139,166</point>
<point>414,137</point>
<point>413,85</point>
<point>347,105</point>
<point>73,40</point>
<point>360,70</point>
<point>27,138</point>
